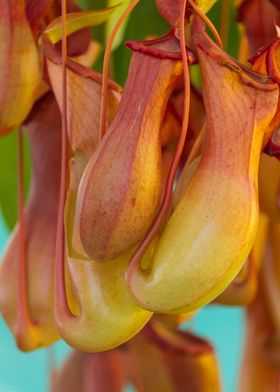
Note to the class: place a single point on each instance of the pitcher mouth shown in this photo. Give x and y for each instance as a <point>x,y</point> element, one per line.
<point>165,47</point>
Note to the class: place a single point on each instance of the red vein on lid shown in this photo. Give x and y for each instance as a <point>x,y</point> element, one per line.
<point>172,172</point>
<point>61,305</point>
<point>106,62</point>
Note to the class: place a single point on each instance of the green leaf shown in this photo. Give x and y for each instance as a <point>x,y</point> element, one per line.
<point>233,38</point>
<point>8,177</point>
<point>113,20</point>
<point>77,21</point>
<point>205,5</point>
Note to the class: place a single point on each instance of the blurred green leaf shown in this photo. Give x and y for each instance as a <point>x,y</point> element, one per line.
<point>234,33</point>
<point>77,21</point>
<point>8,177</point>
<point>113,20</point>
<point>205,5</point>
<point>97,31</point>
<point>233,38</point>
<point>195,76</point>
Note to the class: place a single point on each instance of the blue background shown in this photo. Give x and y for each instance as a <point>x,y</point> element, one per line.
<point>29,372</point>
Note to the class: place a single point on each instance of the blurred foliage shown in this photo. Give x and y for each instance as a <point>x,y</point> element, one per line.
<point>77,21</point>
<point>8,176</point>
<point>233,33</point>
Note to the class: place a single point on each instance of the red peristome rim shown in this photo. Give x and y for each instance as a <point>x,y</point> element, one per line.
<point>147,47</point>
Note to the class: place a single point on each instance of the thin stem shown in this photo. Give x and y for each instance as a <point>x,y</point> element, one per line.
<point>106,62</point>
<point>172,172</point>
<point>24,321</point>
<point>207,21</point>
<point>61,304</point>
<point>224,26</point>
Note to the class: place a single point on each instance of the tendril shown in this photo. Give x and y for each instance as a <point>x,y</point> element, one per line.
<point>61,304</point>
<point>208,22</point>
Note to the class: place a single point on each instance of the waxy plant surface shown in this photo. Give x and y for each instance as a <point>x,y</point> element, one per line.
<point>146,187</point>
